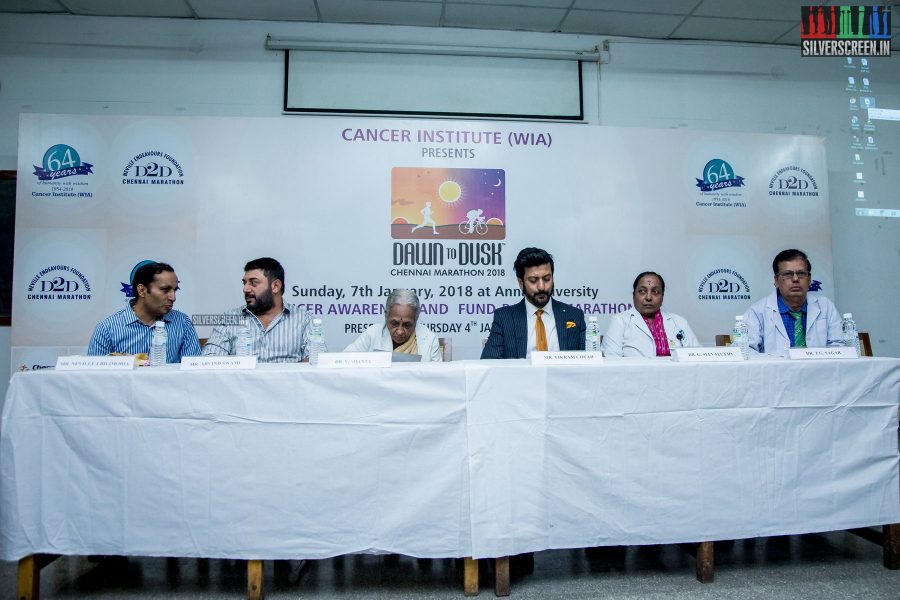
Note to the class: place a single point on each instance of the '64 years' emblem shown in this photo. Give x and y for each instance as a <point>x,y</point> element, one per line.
<point>60,161</point>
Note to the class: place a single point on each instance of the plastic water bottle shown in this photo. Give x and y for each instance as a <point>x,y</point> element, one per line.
<point>851,335</point>
<point>316,341</point>
<point>592,336</point>
<point>243,342</point>
<point>159,341</point>
<point>740,336</point>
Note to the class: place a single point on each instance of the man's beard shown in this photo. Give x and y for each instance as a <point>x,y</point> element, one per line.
<point>544,299</point>
<point>263,303</point>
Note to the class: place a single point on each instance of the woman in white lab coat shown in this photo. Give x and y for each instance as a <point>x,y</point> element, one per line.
<point>647,330</point>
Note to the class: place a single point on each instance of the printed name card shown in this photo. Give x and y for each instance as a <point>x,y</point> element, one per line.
<point>217,363</point>
<point>713,354</point>
<point>822,353</point>
<point>577,357</point>
<point>95,363</point>
<point>354,360</point>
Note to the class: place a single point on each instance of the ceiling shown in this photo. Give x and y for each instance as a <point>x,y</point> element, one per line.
<point>756,21</point>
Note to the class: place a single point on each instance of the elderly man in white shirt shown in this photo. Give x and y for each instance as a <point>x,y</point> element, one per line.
<point>647,330</point>
<point>400,331</point>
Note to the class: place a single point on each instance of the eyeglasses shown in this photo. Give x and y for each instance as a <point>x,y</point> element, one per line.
<point>789,275</point>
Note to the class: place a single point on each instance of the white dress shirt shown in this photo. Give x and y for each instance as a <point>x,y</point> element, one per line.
<point>549,327</point>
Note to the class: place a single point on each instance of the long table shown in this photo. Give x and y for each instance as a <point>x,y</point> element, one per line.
<point>464,459</point>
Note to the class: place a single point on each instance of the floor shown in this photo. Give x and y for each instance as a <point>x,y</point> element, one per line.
<point>819,566</point>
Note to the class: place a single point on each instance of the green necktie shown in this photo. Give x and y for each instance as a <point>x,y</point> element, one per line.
<point>799,334</point>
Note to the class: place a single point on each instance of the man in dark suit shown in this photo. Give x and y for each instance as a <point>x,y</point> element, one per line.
<point>537,322</point>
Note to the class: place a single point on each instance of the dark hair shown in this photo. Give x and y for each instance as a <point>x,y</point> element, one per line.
<point>662,282</point>
<point>531,257</point>
<point>270,267</point>
<point>790,254</point>
<point>145,274</point>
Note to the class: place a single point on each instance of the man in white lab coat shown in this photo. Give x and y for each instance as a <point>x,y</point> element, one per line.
<point>789,317</point>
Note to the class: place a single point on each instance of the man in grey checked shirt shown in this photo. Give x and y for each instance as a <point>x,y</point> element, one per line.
<point>279,331</point>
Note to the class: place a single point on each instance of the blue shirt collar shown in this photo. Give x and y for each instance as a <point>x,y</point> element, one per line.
<point>784,309</point>
<point>133,318</point>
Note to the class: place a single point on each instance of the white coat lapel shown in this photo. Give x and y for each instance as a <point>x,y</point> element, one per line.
<point>776,318</point>
<point>812,313</point>
<point>641,323</point>
<point>669,326</point>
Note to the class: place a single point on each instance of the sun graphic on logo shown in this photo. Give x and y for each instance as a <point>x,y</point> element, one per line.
<point>449,191</point>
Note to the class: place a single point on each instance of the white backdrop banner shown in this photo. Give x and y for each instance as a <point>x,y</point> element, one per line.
<point>355,207</point>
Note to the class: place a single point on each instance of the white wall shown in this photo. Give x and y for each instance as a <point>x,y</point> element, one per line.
<point>774,90</point>
<point>184,67</point>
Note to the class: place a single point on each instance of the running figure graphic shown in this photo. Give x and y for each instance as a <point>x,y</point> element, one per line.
<point>426,219</point>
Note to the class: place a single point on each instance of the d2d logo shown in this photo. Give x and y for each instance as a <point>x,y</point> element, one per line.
<point>448,204</point>
<point>793,181</point>
<point>59,282</point>
<point>153,167</point>
<point>718,175</point>
<point>723,284</point>
<point>61,161</point>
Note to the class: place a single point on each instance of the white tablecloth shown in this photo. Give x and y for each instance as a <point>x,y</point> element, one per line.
<point>460,459</point>
<point>668,452</point>
<point>280,462</point>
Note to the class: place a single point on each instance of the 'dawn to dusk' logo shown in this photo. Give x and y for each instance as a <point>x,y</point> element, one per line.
<point>61,161</point>
<point>448,204</point>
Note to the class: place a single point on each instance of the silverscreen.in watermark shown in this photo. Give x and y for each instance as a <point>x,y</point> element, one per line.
<point>215,320</point>
<point>846,48</point>
<point>840,30</point>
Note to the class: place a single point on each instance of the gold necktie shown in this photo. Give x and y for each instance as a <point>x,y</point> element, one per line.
<point>541,332</point>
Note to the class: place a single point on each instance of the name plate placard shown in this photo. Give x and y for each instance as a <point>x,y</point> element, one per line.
<point>217,363</point>
<point>354,360</point>
<point>95,363</point>
<point>822,353</point>
<point>567,357</point>
<point>713,354</point>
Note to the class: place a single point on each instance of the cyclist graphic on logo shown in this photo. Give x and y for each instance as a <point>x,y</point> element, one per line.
<point>474,223</point>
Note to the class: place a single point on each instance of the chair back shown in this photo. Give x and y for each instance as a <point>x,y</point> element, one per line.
<point>446,346</point>
<point>723,339</point>
<point>865,344</point>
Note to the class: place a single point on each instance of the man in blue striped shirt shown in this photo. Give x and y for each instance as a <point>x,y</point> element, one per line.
<point>129,330</point>
<point>279,332</point>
